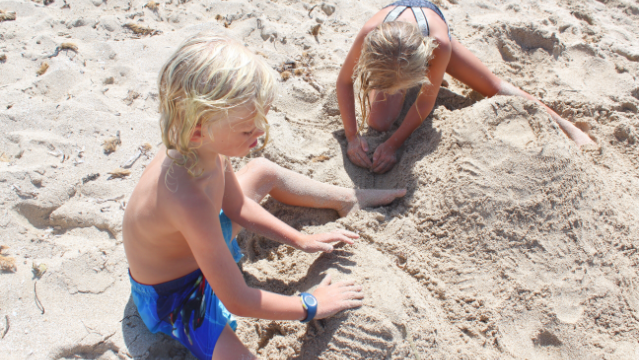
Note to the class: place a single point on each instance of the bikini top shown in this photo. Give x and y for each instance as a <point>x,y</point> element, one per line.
<point>418,13</point>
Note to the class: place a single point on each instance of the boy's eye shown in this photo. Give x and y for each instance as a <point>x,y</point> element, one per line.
<point>247,132</point>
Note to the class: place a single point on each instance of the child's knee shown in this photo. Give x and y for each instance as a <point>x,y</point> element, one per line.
<point>262,165</point>
<point>382,127</point>
<point>379,124</point>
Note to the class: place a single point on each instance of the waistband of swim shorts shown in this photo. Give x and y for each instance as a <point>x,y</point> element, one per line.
<point>168,287</point>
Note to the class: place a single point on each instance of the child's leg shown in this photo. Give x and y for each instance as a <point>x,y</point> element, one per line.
<point>384,109</point>
<point>467,68</point>
<point>261,177</point>
<point>229,346</point>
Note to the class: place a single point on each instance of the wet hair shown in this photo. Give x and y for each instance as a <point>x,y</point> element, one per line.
<point>206,78</point>
<point>394,57</point>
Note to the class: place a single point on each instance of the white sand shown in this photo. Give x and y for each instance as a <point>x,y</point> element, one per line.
<point>511,242</point>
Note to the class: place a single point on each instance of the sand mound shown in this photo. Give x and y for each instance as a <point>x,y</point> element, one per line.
<point>510,242</point>
<point>502,241</point>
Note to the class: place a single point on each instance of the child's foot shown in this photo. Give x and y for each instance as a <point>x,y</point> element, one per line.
<point>370,198</point>
<point>582,138</point>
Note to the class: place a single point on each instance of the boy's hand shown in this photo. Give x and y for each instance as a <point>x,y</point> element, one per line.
<point>336,297</point>
<point>357,152</point>
<point>384,158</point>
<point>321,242</point>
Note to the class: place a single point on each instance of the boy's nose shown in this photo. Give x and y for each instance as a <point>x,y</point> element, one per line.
<point>259,133</point>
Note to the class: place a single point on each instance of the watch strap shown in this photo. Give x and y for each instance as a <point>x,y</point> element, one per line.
<point>310,306</point>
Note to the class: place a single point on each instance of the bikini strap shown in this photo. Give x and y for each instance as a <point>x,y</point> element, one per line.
<point>421,19</point>
<point>393,14</point>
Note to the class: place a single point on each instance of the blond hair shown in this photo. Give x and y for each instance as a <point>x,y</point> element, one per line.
<point>394,57</point>
<point>209,75</point>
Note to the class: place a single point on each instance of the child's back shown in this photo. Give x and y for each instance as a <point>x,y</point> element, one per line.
<point>156,249</point>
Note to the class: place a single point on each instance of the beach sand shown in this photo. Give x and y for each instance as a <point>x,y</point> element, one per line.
<point>511,242</point>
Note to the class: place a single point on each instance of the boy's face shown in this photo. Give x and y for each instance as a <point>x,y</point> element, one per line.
<point>234,136</point>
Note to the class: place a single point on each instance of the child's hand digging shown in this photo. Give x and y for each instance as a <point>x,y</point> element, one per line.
<point>357,152</point>
<point>321,242</point>
<point>333,298</point>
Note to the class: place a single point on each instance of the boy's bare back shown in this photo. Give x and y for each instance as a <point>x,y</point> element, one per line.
<point>156,249</point>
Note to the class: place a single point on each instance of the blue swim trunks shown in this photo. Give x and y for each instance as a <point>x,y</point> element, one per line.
<point>186,308</point>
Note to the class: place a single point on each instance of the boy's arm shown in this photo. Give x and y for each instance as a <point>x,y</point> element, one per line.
<point>214,259</point>
<point>207,244</point>
<point>250,215</point>
<point>384,158</point>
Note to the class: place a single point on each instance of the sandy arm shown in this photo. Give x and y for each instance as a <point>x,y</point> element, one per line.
<point>204,237</point>
<point>357,146</point>
<point>571,130</point>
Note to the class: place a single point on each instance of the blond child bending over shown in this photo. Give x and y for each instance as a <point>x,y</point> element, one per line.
<point>181,221</point>
<point>404,45</point>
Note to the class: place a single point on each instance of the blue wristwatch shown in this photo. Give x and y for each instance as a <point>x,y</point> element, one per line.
<point>310,304</point>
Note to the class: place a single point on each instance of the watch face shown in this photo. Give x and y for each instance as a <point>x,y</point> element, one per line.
<point>310,300</point>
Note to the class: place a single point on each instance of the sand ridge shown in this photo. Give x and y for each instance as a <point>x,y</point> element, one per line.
<point>510,243</point>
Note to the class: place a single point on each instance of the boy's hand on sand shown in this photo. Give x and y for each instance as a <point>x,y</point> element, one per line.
<point>336,297</point>
<point>357,152</point>
<point>322,242</point>
<point>384,158</point>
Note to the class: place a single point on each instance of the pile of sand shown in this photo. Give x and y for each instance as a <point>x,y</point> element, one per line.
<point>511,242</point>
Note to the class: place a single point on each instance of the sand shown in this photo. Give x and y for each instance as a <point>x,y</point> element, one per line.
<point>511,242</point>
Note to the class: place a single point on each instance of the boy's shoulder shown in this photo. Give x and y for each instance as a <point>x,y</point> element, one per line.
<point>197,193</point>
<point>182,192</point>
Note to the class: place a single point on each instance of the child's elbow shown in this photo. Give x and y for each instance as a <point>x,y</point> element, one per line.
<point>239,310</point>
<point>444,46</point>
<point>240,304</point>
<point>341,83</point>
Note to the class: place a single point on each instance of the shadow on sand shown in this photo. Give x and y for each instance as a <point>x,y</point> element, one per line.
<point>142,344</point>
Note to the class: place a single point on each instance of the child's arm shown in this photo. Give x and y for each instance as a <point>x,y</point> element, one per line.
<point>250,215</point>
<point>357,146</point>
<point>204,236</point>
<point>384,158</point>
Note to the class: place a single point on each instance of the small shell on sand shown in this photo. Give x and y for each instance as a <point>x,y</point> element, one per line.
<point>141,30</point>
<point>328,8</point>
<point>320,158</point>
<point>152,5</point>
<point>43,69</point>
<point>131,96</point>
<point>69,46</point>
<point>221,18</point>
<point>7,15</point>
<point>38,269</point>
<point>315,30</point>
<point>285,75</point>
<point>7,263</point>
<point>111,144</point>
<point>4,157</point>
<point>118,173</point>
<point>3,57</point>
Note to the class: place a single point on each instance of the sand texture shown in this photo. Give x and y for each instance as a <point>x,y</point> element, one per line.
<point>511,242</point>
